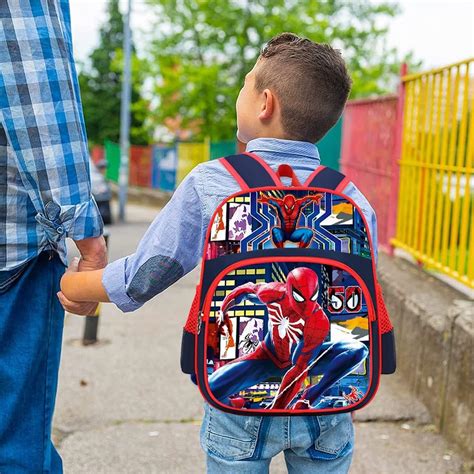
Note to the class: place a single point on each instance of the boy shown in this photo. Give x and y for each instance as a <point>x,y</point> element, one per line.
<point>294,94</point>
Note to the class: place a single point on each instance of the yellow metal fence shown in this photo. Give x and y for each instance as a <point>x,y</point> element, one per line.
<point>435,220</point>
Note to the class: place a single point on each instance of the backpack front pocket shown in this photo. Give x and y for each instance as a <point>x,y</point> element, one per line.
<point>286,334</point>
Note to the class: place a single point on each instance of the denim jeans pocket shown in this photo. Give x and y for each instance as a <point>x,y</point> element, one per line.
<point>228,436</point>
<point>336,436</point>
<point>9,277</point>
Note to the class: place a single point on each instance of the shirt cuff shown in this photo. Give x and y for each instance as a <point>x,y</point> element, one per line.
<point>87,221</point>
<point>77,222</point>
<point>114,283</point>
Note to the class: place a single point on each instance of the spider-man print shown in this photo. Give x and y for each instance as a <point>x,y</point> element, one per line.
<point>288,211</point>
<point>294,347</point>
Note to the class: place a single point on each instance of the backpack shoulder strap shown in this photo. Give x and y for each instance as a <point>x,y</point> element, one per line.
<point>250,171</point>
<point>327,178</point>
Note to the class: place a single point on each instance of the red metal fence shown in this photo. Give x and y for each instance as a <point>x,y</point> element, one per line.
<point>369,154</point>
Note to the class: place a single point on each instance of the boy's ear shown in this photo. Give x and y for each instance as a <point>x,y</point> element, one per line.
<point>268,105</point>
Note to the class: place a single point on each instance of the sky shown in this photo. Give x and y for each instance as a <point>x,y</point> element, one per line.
<point>438,32</point>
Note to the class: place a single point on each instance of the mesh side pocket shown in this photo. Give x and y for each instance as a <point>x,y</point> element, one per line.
<point>382,313</point>
<point>192,321</point>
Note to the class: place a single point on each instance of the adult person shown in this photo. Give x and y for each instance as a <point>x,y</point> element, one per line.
<point>45,196</point>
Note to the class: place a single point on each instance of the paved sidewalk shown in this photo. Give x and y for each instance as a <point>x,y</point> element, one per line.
<point>125,407</point>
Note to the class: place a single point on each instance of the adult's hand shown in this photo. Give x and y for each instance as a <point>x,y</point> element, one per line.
<point>93,253</point>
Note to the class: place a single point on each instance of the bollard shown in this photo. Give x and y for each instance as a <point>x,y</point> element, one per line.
<point>92,322</point>
<point>90,328</point>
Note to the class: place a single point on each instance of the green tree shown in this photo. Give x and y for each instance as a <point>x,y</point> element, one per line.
<point>202,50</point>
<point>101,83</point>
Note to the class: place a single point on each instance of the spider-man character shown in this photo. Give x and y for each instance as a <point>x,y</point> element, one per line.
<point>354,395</point>
<point>289,210</point>
<point>293,347</point>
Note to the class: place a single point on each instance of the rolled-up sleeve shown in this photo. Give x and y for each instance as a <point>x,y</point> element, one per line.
<point>41,113</point>
<point>171,247</point>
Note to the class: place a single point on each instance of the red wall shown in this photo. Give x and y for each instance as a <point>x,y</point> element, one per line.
<point>140,166</point>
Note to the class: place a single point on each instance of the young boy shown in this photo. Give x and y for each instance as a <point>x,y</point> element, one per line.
<point>294,94</point>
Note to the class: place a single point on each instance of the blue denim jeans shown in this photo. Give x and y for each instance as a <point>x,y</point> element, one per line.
<point>238,444</point>
<point>31,325</point>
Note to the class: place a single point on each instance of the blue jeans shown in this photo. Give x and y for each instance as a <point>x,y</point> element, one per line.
<point>238,444</point>
<point>31,325</point>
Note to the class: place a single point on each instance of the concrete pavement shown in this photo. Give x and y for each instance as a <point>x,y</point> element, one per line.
<point>125,407</point>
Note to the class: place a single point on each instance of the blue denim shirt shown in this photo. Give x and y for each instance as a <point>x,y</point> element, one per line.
<point>173,244</point>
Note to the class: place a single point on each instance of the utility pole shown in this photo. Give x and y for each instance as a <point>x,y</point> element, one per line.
<point>125,113</point>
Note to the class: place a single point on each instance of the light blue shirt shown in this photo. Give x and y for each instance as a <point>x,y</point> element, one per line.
<point>174,242</point>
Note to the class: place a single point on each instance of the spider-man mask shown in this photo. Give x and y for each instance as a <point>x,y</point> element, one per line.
<point>303,286</point>
<point>289,202</point>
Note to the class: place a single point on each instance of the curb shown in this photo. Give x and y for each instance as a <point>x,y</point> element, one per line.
<point>435,339</point>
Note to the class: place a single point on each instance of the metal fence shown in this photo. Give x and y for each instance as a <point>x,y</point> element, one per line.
<point>435,221</point>
<point>368,152</point>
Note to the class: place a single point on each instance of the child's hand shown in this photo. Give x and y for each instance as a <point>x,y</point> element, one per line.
<point>74,265</point>
<point>80,308</point>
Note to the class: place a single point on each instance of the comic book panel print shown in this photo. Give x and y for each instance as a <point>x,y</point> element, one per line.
<point>288,336</point>
<point>277,219</point>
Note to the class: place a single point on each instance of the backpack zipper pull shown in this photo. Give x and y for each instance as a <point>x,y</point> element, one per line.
<point>199,321</point>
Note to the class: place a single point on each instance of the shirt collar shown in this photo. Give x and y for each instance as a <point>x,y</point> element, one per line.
<point>284,147</point>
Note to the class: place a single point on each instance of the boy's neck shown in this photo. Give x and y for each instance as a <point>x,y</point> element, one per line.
<point>276,135</point>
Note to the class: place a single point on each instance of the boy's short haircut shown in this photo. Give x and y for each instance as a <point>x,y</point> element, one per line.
<point>310,81</point>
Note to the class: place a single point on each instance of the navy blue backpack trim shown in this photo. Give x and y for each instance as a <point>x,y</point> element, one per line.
<point>251,171</point>
<point>327,178</point>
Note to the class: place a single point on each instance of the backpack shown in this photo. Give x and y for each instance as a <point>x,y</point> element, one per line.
<point>288,316</point>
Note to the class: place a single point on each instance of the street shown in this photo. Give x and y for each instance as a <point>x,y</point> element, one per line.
<point>125,407</point>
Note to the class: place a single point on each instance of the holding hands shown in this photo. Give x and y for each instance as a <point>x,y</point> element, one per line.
<point>81,285</point>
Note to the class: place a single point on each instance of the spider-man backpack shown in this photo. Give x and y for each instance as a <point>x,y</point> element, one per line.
<point>288,317</point>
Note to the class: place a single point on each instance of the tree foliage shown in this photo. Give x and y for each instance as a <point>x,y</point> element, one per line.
<point>202,49</point>
<point>101,85</point>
